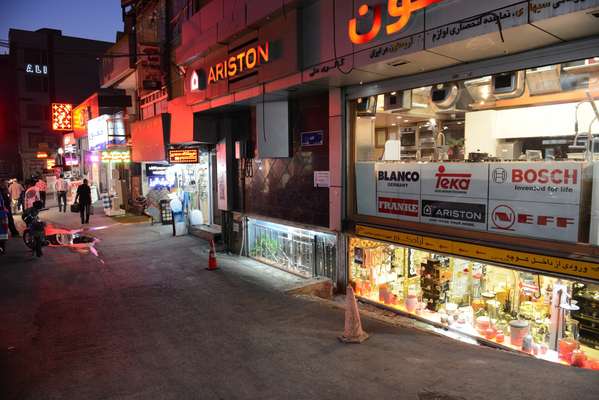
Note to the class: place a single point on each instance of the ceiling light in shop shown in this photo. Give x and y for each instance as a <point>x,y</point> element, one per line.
<point>394,124</point>
<point>406,120</point>
<point>393,93</point>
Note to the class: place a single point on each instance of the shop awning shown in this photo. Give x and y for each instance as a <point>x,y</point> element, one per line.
<point>181,121</point>
<point>148,138</point>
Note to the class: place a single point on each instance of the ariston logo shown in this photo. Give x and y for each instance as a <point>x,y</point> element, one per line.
<point>451,182</point>
<point>402,12</point>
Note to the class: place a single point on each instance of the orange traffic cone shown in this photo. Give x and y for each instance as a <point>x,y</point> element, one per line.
<point>212,258</point>
<point>353,332</point>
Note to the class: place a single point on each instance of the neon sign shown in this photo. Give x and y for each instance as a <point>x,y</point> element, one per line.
<point>246,60</point>
<point>184,156</point>
<point>36,69</point>
<point>116,156</point>
<point>402,13</point>
<point>41,155</point>
<point>62,117</point>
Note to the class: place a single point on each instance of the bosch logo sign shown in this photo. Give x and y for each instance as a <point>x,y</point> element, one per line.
<point>452,182</point>
<point>503,217</point>
<point>499,175</point>
<point>544,176</point>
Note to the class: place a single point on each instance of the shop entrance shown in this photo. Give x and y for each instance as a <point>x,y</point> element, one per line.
<point>188,183</point>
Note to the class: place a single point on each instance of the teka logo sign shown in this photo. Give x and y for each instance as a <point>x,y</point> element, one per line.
<point>402,12</point>
<point>504,217</point>
<point>405,207</point>
<point>447,182</point>
<point>543,176</point>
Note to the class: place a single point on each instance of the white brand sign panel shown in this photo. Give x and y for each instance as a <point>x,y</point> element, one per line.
<point>534,219</point>
<point>398,191</point>
<point>541,182</point>
<point>455,180</point>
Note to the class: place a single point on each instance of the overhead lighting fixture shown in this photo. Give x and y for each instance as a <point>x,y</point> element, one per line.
<point>393,124</point>
<point>393,93</point>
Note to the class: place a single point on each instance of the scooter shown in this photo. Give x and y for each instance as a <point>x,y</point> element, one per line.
<point>34,235</point>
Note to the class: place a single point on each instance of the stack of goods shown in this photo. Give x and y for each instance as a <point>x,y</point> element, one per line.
<point>434,281</point>
<point>587,297</point>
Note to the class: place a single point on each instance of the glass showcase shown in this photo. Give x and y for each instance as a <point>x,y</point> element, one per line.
<point>303,252</point>
<point>511,154</point>
<point>550,318</point>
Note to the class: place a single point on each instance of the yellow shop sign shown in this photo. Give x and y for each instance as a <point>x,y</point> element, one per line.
<point>582,269</point>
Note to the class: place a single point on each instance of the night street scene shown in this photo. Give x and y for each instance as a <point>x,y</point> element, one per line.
<point>299,199</point>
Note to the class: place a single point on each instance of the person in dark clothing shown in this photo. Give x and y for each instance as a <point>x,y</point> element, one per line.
<point>84,196</point>
<point>6,200</point>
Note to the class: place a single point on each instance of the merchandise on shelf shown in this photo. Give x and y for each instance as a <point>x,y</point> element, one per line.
<point>549,318</point>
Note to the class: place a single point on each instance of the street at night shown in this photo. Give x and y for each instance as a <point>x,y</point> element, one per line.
<point>150,322</point>
<point>299,199</point>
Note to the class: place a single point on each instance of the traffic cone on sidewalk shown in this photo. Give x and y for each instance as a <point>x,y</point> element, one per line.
<point>212,258</point>
<point>353,332</point>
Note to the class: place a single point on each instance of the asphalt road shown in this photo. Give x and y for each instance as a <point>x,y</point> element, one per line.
<point>145,320</point>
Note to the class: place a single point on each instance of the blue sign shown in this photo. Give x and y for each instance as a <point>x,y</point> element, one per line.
<point>313,138</point>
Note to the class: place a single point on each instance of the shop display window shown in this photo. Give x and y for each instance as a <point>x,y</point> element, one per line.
<point>516,153</point>
<point>550,318</point>
<point>303,252</point>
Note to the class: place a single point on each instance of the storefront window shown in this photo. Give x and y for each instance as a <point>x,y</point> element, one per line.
<point>303,252</point>
<point>551,318</point>
<point>511,154</point>
<point>190,183</point>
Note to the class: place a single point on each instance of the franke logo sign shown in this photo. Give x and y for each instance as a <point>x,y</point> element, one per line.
<point>395,206</point>
<point>234,66</point>
<point>452,182</point>
<point>399,11</point>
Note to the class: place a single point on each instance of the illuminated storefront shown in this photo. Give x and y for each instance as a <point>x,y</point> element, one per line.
<point>472,189</point>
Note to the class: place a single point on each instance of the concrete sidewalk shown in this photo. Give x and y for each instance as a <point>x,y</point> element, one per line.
<point>149,322</point>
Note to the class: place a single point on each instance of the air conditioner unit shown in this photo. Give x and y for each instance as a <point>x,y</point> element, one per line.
<point>398,101</point>
<point>450,97</point>
<point>544,80</point>
<point>508,85</point>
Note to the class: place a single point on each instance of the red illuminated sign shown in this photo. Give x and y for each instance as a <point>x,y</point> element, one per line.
<point>402,13</point>
<point>41,155</point>
<point>62,117</point>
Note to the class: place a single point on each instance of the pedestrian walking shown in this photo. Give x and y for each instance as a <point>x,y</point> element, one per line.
<point>31,195</point>
<point>41,188</point>
<point>16,190</point>
<point>61,187</point>
<point>84,198</point>
<point>3,226</point>
<point>5,195</point>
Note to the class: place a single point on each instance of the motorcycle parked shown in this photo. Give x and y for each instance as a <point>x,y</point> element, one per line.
<point>35,233</point>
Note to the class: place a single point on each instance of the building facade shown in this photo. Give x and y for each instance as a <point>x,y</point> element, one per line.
<point>48,68</point>
<point>439,158</point>
<point>460,143</point>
